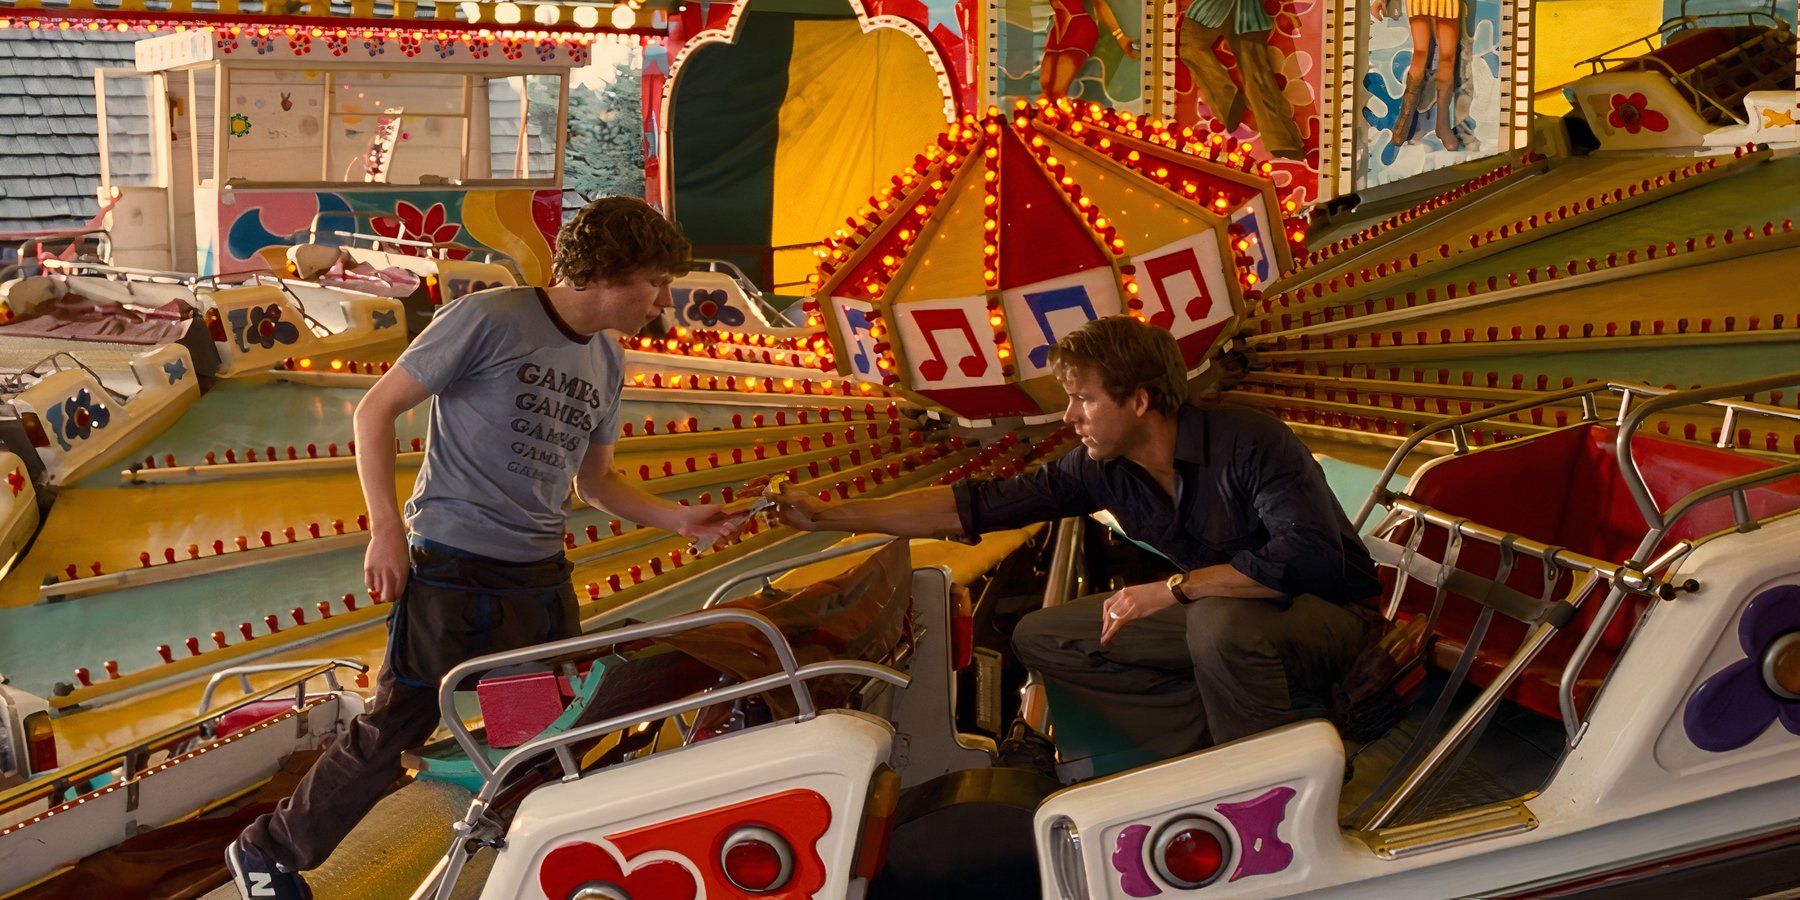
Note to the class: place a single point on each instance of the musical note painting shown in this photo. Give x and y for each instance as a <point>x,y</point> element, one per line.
<point>1250,237</point>
<point>1041,313</point>
<point>853,322</point>
<point>1183,288</point>
<point>943,347</point>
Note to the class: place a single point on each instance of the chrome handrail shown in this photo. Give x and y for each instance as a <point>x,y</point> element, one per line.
<point>1631,419</point>
<point>102,246</point>
<point>718,595</point>
<point>14,381</point>
<point>243,673</point>
<point>1457,424</point>
<point>1565,692</point>
<point>784,654</point>
<point>430,246</point>
<point>50,782</point>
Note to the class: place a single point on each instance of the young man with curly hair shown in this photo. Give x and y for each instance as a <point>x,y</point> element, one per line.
<point>525,388</point>
<point>1256,623</point>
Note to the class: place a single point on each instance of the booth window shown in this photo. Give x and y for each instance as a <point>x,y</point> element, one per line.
<point>522,126</point>
<point>287,126</point>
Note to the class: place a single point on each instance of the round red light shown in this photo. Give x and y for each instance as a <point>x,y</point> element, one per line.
<point>1191,852</point>
<point>1193,855</point>
<point>753,865</point>
<point>757,860</point>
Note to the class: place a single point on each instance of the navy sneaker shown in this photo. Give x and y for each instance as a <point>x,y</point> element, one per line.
<point>259,878</point>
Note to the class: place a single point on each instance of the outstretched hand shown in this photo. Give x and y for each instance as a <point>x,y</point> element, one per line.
<point>707,524</point>
<point>798,509</point>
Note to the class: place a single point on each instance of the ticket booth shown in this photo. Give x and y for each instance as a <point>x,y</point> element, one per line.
<point>223,143</point>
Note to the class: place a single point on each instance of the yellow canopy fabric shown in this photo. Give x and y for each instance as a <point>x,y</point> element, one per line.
<point>858,108</point>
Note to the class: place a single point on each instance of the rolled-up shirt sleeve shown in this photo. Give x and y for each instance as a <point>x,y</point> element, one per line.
<point>1062,488</point>
<point>1305,552</point>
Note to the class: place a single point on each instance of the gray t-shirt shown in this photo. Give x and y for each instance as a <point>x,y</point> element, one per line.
<point>518,397</point>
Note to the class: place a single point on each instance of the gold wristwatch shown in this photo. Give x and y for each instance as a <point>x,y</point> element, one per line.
<point>1175,582</point>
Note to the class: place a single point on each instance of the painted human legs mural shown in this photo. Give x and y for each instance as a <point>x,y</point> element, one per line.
<point>1244,26</point>
<point>1431,22</point>
<point>1073,33</point>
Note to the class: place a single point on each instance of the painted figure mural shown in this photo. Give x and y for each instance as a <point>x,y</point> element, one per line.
<point>1073,33</point>
<point>1244,28</point>
<point>1436,30</point>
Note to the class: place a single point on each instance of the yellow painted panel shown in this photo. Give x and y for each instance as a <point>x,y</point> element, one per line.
<point>858,108</point>
<point>948,260</point>
<point>1569,31</point>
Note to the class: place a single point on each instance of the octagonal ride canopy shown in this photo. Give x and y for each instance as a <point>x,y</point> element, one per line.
<point>1010,232</point>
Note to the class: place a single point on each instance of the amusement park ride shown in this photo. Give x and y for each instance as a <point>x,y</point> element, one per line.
<point>1554,381</point>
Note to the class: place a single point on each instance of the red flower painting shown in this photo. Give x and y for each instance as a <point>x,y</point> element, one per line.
<point>1633,113</point>
<point>409,224</point>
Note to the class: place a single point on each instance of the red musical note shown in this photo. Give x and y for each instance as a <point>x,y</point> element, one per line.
<point>1162,270</point>
<point>932,321</point>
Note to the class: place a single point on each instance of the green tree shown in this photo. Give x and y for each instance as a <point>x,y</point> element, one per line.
<point>605,150</point>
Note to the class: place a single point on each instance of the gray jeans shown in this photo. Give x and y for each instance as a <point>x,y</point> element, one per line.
<point>1193,676</point>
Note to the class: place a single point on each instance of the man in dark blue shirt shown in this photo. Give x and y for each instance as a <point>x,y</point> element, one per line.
<point>1254,627</point>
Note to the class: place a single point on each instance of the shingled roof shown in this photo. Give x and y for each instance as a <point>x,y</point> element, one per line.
<point>49,153</point>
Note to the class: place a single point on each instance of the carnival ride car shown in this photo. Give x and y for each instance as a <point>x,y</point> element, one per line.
<point>717,295</point>
<point>1689,90</point>
<point>101,358</point>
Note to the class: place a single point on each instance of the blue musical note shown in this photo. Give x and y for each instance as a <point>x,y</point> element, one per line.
<point>1043,303</point>
<point>858,324</point>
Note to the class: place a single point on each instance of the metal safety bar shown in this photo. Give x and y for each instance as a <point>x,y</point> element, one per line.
<point>1457,427</point>
<point>784,654</point>
<point>102,244</point>
<point>718,594</point>
<point>266,279</point>
<point>1475,717</point>
<point>1632,418</point>
<point>1633,576</point>
<point>791,676</point>
<point>75,773</point>
<point>315,667</point>
<point>14,381</point>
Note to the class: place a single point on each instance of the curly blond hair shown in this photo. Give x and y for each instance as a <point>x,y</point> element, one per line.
<point>1126,355</point>
<point>614,237</point>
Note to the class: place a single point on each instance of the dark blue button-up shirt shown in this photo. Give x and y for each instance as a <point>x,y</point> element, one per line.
<point>1251,496</point>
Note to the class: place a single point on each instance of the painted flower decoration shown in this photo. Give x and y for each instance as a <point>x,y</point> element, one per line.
<point>1633,113</point>
<point>512,48</point>
<point>80,416</point>
<point>1741,701</point>
<point>711,309</point>
<point>1294,67</point>
<point>445,47</point>
<point>409,45</point>
<point>546,51</point>
<point>338,44</point>
<point>263,44</point>
<point>240,125</point>
<point>578,54</point>
<point>408,223</point>
<point>226,41</point>
<point>478,48</point>
<point>301,44</point>
<point>375,44</point>
<point>572,866</point>
<point>262,326</point>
